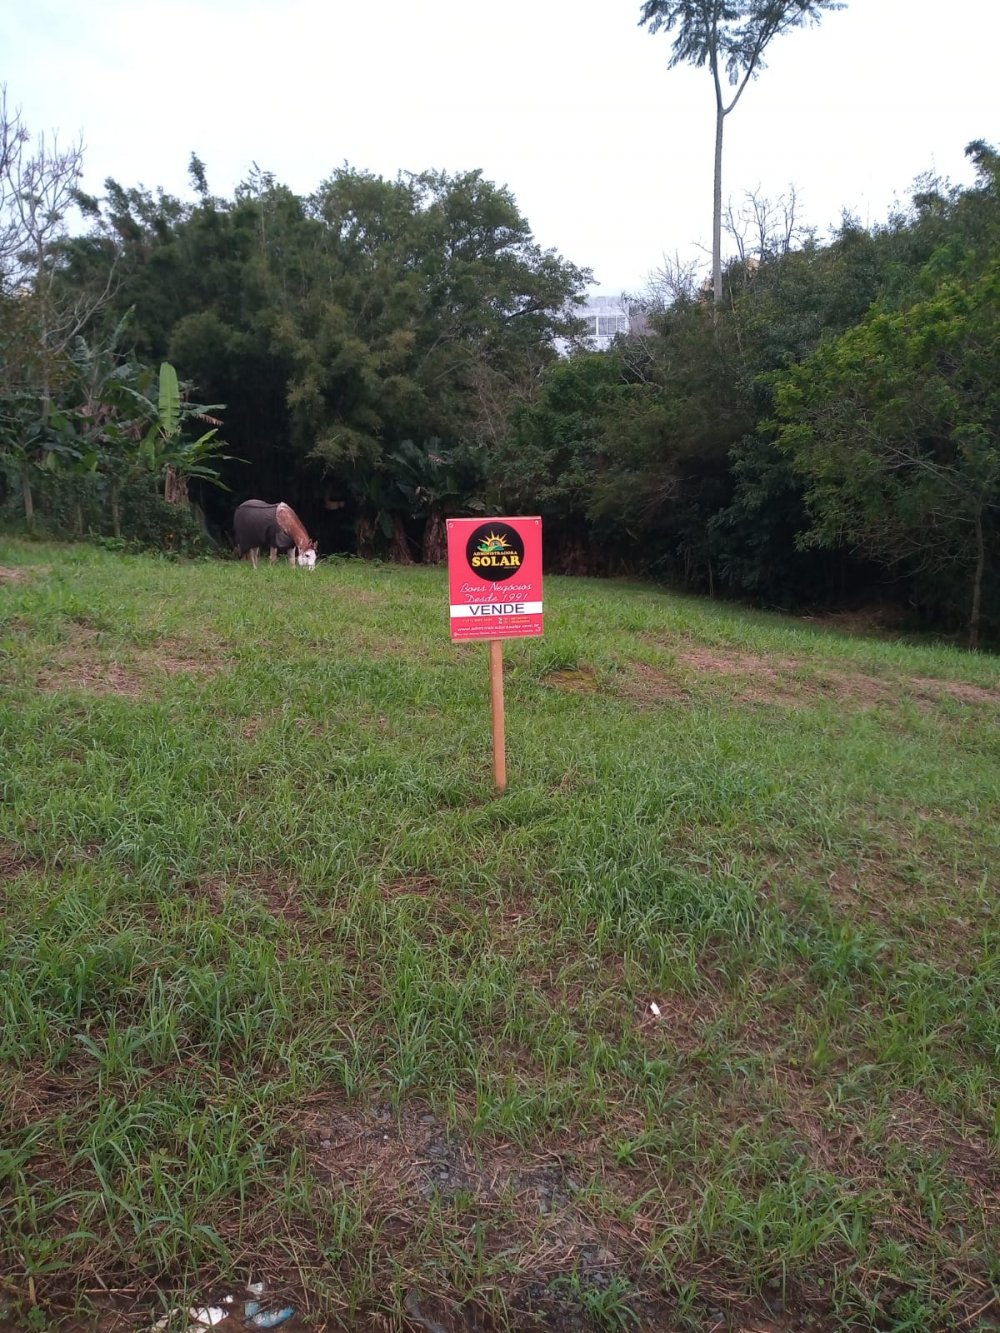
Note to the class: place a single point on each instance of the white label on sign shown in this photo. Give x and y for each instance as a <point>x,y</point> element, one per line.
<point>484,609</point>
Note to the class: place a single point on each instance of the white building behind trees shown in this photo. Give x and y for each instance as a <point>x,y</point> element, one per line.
<point>605,318</point>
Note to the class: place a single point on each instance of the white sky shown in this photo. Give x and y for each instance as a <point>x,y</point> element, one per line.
<point>568,102</point>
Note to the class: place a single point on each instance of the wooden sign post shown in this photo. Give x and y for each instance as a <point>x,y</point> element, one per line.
<point>496,698</point>
<point>495,586</point>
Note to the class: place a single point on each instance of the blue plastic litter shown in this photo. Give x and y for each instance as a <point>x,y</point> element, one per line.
<point>269,1318</point>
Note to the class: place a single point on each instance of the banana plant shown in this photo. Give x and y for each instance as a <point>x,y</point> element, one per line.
<point>163,450</point>
<point>436,483</point>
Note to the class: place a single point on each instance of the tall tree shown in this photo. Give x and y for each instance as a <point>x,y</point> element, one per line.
<point>431,301</point>
<point>895,427</point>
<point>730,37</point>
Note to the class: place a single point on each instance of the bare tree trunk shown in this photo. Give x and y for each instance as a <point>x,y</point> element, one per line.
<point>977,584</point>
<point>435,544</point>
<point>366,538</point>
<point>29,499</point>
<point>721,112</point>
<point>399,551</point>
<point>720,118</point>
<point>175,487</point>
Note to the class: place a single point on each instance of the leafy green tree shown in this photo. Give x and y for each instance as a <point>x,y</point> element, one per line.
<point>666,464</point>
<point>557,447</point>
<point>435,302</point>
<point>206,287</point>
<point>338,327</point>
<point>781,310</point>
<point>436,484</point>
<point>895,427</point>
<point>625,451</point>
<point>730,37</point>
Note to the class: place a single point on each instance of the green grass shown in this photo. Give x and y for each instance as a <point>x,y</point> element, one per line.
<point>287,992</point>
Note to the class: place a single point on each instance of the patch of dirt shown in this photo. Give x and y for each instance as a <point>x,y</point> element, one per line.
<point>918,893</point>
<point>571,781</point>
<point>933,690</point>
<point>792,682</point>
<point>871,885</point>
<point>409,1158</point>
<point>916,1122</point>
<point>31,1095</point>
<point>92,678</point>
<point>576,680</point>
<point>79,664</point>
<point>789,682</point>
<point>440,920</point>
<point>854,1145</point>
<point>404,1165</point>
<point>21,573</point>
<point>737,664</point>
<point>14,863</point>
<point>177,666</point>
<point>762,680</point>
<point>832,1143</point>
<point>280,898</point>
<point>421,885</point>
<point>682,1023</point>
<point>516,914</point>
<point>411,1154</point>
<point>644,685</point>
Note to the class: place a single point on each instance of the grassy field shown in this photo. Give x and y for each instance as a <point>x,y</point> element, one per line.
<point>290,994</point>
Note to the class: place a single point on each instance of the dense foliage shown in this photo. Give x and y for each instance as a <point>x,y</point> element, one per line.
<point>389,352</point>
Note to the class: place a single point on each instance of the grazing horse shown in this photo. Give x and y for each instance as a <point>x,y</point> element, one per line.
<point>276,528</point>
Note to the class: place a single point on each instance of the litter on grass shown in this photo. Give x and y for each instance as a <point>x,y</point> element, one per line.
<point>258,1318</point>
<point>254,1316</point>
<point>203,1316</point>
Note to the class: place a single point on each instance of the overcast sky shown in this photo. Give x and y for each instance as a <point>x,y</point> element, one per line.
<point>567,102</point>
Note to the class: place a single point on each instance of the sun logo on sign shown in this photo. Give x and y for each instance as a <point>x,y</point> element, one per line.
<point>494,542</point>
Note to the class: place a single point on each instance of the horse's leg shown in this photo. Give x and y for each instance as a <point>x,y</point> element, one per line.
<point>272,555</point>
<point>291,556</point>
<point>254,552</point>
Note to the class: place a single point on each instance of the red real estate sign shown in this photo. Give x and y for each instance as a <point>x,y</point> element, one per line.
<point>495,577</point>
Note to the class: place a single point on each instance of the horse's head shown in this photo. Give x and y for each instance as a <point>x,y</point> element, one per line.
<point>307,556</point>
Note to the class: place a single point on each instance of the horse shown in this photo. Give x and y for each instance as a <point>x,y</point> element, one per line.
<point>275,527</point>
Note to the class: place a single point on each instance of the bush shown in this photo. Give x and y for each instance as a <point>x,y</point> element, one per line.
<point>71,507</point>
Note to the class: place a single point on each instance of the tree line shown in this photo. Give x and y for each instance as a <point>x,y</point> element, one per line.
<point>383,353</point>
